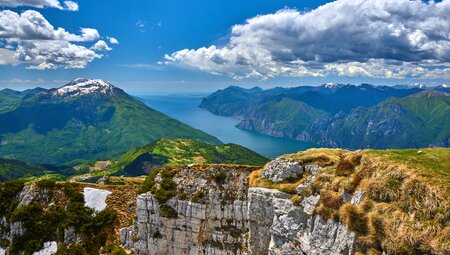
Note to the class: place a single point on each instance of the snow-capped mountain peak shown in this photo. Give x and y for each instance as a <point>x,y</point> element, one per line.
<point>446,86</point>
<point>81,86</point>
<point>331,85</point>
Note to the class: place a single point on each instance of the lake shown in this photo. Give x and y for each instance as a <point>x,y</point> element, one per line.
<point>185,108</point>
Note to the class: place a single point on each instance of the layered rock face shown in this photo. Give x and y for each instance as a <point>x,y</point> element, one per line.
<point>234,218</point>
<point>215,221</point>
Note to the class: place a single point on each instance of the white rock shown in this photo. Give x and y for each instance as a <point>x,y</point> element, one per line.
<point>49,248</point>
<point>309,204</point>
<point>282,169</point>
<point>95,198</point>
<point>357,197</point>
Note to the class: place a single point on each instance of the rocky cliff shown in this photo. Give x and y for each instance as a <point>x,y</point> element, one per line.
<point>233,218</point>
<point>316,202</point>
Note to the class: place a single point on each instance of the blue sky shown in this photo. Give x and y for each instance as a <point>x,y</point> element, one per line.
<point>148,30</point>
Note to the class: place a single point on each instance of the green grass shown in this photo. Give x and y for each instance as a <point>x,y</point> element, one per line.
<point>140,161</point>
<point>14,169</point>
<point>431,163</point>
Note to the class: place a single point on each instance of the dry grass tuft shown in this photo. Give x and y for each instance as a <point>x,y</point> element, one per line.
<point>345,168</point>
<point>354,218</point>
<point>406,209</point>
<point>296,199</point>
<point>347,165</point>
<point>322,157</point>
<point>329,204</point>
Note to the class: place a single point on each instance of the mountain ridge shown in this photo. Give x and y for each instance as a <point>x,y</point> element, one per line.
<point>340,115</point>
<point>77,125</point>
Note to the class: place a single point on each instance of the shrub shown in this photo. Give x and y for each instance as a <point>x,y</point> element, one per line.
<point>8,196</point>
<point>46,184</point>
<point>72,249</point>
<point>198,197</point>
<point>182,194</point>
<point>220,177</point>
<point>148,183</point>
<point>162,195</point>
<point>167,211</point>
<point>114,249</point>
<point>166,188</point>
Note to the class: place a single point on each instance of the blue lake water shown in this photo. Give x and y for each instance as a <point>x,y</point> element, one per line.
<point>185,108</point>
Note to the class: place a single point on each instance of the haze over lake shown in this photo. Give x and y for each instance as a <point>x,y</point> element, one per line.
<point>185,108</point>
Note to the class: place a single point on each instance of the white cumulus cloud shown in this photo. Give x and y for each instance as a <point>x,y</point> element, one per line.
<point>372,38</point>
<point>113,40</point>
<point>54,54</point>
<point>66,5</point>
<point>32,25</point>
<point>29,38</point>
<point>101,46</point>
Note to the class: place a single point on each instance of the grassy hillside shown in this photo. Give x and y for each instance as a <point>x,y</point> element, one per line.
<point>141,160</point>
<point>58,130</point>
<point>405,208</point>
<point>14,169</point>
<point>10,99</point>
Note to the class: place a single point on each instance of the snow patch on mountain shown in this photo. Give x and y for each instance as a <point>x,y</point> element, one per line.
<point>331,85</point>
<point>80,87</point>
<point>95,198</point>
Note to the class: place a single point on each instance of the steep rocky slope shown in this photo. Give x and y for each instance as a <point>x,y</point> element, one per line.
<point>316,202</point>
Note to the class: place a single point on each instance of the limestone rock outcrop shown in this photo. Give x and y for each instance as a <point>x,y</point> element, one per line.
<point>234,218</point>
<point>282,169</point>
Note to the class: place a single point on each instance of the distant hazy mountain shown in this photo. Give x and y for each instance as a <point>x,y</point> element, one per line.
<point>443,88</point>
<point>410,86</point>
<point>85,119</point>
<point>341,115</point>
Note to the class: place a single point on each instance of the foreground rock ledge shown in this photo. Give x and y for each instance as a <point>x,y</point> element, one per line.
<point>233,218</point>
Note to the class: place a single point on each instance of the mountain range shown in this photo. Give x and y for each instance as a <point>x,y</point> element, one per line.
<point>342,115</point>
<point>83,120</point>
